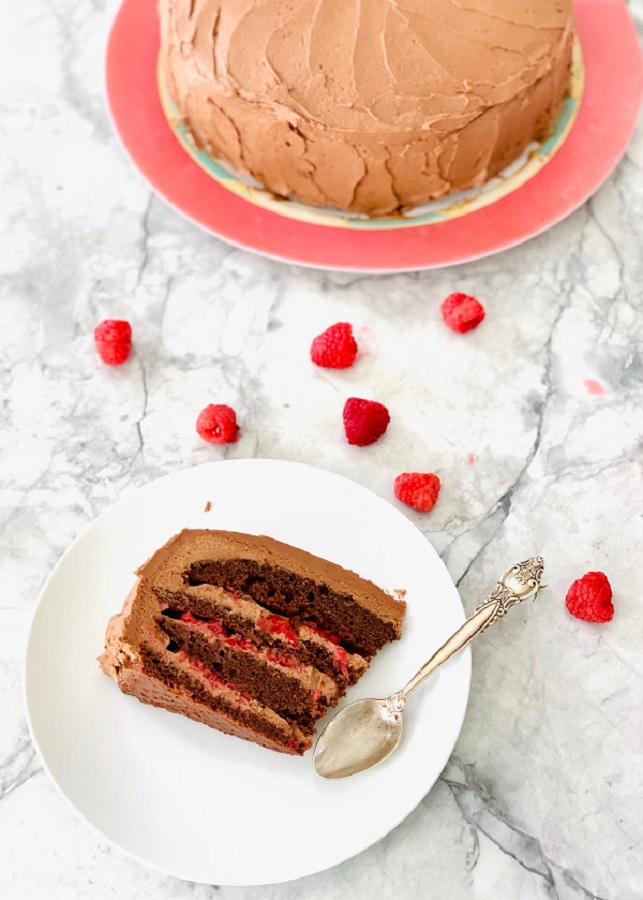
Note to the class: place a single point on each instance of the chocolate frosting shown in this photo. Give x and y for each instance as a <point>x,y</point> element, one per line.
<point>367,106</point>
<point>166,567</point>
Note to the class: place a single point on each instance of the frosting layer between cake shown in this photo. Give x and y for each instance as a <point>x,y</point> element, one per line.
<point>372,107</point>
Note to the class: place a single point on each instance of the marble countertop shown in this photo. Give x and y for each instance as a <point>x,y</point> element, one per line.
<point>533,422</point>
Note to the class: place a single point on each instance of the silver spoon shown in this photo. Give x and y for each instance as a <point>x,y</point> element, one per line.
<point>367,731</point>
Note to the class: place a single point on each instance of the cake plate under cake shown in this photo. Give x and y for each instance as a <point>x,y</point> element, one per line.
<point>598,139</point>
<point>193,802</point>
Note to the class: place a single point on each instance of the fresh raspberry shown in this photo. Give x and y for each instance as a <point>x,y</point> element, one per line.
<point>417,489</point>
<point>590,598</point>
<point>462,313</point>
<point>113,339</point>
<point>217,424</point>
<point>365,421</point>
<point>335,348</point>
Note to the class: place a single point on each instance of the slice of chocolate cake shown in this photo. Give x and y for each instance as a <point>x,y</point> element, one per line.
<point>247,634</point>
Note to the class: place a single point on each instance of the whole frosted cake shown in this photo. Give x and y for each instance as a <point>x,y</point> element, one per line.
<point>372,106</point>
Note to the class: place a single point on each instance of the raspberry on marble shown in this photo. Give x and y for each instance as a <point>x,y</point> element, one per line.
<point>418,490</point>
<point>335,348</point>
<point>462,313</point>
<point>113,339</point>
<point>365,421</point>
<point>590,598</point>
<point>217,424</point>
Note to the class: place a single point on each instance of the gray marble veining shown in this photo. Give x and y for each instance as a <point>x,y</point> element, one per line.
<point>533,422</point>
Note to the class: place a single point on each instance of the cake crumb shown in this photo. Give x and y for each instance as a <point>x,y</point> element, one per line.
<point>399,593</point>
<point>208,507</point>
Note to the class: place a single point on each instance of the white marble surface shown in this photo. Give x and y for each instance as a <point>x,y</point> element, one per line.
<point>543,797</point>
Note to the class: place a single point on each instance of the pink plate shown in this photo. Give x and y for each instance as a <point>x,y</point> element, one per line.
<point>597,141</point>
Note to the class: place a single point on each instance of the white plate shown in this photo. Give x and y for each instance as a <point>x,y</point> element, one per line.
<point>185,799</point>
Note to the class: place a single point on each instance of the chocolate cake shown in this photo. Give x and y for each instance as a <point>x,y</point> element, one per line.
<point>247,634</point>
<point>372,107</point>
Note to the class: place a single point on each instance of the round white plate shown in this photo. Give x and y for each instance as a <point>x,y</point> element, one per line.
<point>185,799</point>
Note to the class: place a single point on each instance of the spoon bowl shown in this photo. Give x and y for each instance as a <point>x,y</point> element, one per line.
<point>360,736</point>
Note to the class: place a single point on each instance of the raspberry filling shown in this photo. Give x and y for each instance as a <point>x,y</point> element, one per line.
<point>218,628</point>
<point>243,643</point>
<point>212,625</point>
<point>279,625</point>
<point>327,635</point>
<point>285,660</point>
<point>214,679</point>
<point>340,662</point>
<point>279,657</point>
<point>340,659</point>
<point>273,625</point>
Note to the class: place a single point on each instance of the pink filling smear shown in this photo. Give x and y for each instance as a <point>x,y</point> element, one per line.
<point>594,388</point>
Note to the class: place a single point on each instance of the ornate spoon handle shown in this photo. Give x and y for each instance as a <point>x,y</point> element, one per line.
<point>517,583</point>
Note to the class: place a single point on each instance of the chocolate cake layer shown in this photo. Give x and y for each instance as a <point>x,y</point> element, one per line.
<point>241,615</point>
<point>298,597</point>
<point>283,579</point>
<point>148,688</point>
<point>136,656</point>
<point>239,710</point>
<point>276,679</point>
